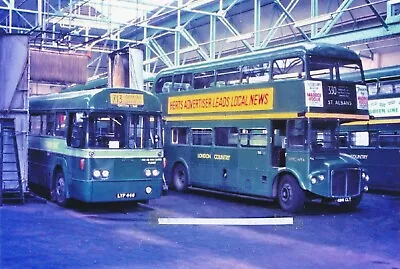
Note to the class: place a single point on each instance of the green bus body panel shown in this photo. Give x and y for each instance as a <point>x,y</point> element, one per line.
<point>382,163</point>
<point>126,169</point>
<point>249,170</point>
<point>98,99</point>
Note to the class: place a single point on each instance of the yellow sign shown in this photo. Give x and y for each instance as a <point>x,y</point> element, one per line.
<point>125,99</point>
<point>231,101</point>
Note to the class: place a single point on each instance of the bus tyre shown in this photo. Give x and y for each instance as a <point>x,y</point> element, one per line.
<point>60,190</point>
<point>351,206</point>
<point>291,196</point>
<point>180,178</point>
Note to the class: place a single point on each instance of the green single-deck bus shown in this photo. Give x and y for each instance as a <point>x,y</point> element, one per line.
<point>264,124</point>
<point>96,145</point>
<point>376,143</point>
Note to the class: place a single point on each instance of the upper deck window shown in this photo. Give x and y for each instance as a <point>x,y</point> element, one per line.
<point>182,82</point>
<point>164,84</point>
<point>334,69</point>
<point>203,80</point>
<point>288,68</point>
<point>229,76</point>
<point>256,73</point>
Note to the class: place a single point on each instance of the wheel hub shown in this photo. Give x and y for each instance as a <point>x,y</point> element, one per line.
<point>286,193</point>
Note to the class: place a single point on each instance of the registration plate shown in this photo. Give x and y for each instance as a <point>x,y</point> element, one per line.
<point>343,200</point>
<point>123,195</point>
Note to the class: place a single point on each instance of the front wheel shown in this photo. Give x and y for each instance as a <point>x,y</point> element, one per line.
<point>60,189</point>
<point>180,178</point>
<point>291,196</point>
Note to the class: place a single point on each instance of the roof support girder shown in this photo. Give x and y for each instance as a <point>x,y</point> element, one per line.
<point>335,17</point>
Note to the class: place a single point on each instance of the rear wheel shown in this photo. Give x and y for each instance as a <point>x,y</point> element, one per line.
<point>60,189</point>
<point>180,178</point>
<point>291,196</point>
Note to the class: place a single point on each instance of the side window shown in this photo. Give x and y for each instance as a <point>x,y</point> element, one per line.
<point>43,130</point>
<point>202,137</point>
<point>372,88</point>
<point>179,136</point>
<point>50,124</point>
<point>359,139</point>
<point>227,77</point>
<point>253,137</point>
<point>288,68</point>
<point>389,139</point>
<point>203,80</point>
<point>35,124</point>
<point>76,136</point>
<point>297,133</point>
<point>182,82</point>
<point>60,124</point>
<point>226,136</point>
<point>256,73</point>
<point>396,85</point>
<point>164,84</point>
<point>343,140</point>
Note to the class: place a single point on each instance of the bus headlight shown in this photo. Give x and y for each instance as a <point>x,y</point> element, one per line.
<point>365,176</point>
<point>96,173</point>
<point>148,190</point>
<point>155,173</point>
<point>316,177</point>
<point>147,172</point>
<point>105,173</point>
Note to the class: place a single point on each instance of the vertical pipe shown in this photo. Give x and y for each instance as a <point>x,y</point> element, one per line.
<point>257,18</point>
<point>314,13</point>
<point>213,22</point>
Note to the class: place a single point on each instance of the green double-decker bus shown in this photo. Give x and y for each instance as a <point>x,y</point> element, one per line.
<point>265,124</point>
<point>96,145</point>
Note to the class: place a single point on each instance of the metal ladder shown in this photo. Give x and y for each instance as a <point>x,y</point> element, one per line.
<point>10,173</point>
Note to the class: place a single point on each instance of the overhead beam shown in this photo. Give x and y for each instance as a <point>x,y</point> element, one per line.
<point>335,17</point>
<point>361,36</point>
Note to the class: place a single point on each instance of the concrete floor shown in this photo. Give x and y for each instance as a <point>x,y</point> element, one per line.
<point>40,234</point>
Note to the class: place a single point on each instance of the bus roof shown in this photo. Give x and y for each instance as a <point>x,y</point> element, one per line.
<point>382,73</point>
<point>92,84</point>
<point>98,99</point>
<point>310,48</point>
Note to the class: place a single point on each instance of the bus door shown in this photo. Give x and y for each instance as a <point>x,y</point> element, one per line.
<point>279,142</point>
<point>253,161</point>
<point>225,158</point>
<point>297,151</point>
<point>201,165</point>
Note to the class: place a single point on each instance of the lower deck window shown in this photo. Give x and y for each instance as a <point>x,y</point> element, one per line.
<point>202,137</point>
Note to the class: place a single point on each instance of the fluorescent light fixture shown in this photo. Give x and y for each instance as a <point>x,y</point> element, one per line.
<point>239,37</point>
<point>313,20</point>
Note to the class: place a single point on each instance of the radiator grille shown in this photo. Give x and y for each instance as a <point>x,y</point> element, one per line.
<point>346,182</point>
